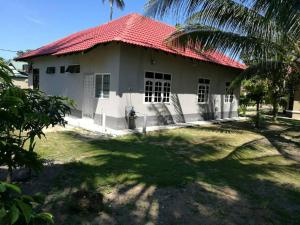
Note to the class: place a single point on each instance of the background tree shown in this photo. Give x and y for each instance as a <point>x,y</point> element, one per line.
<point>120,4</point>
<point>268,32</point>
<point>21,52</point>
<point>255,92</point>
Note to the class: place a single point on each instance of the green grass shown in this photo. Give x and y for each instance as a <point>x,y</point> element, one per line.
<point>219,157</point>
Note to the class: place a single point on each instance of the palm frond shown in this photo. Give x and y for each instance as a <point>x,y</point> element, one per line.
<point>232,16</point>
<point>201,37</point>
<point>159,8</point>
<point>285,12</point>
<point>119,3</point>
<point>5,74</point>
<point>261,70</point>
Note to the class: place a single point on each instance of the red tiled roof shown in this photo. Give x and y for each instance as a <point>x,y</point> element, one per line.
<point>132,29</point>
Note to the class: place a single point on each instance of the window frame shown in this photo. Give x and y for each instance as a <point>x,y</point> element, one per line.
<point>207,85</point>
<point>52,67</point>
<point>64,69</point>
<point>153,80</point>
<point>102,74</point>
<point>68,72</point>
<point>228,98</point>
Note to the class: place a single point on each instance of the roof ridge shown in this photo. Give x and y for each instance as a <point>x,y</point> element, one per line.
<point>132,29</point>
<point>129,24</point>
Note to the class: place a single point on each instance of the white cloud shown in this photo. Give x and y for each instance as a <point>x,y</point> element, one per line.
<point>34,20</point>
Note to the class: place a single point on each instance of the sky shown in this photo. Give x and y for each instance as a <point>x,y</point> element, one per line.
<point>30,24</point>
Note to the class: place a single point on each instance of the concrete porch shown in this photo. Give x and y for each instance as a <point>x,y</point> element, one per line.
<point>88,124</point>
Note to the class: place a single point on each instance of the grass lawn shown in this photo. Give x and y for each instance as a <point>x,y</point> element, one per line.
<point>219,174</point>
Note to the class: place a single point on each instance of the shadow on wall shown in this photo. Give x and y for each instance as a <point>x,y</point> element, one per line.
<point>228,113</point>
<point>231,106</point>
<point>208,111</point>
<point>222,106</point>
<point>162,114</point>
<point>179,117</point>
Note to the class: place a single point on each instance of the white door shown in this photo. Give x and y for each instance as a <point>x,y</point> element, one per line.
<point>88,97</point>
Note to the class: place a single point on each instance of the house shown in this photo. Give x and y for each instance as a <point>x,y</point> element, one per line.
<point>294,111</point>
<point>124,68</point>
<point>20,73</point>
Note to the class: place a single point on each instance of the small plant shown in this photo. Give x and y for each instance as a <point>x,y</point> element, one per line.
<point>242,110</point>
<point>18,209</point>
<point>84,201</point>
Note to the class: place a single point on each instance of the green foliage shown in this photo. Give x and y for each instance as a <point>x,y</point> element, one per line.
<point>24,114</point>
<point>260,28</point>
<point>242,109</point>
<point>5,74</point>
<point>19,53</point>
<point>255,90</point>
<point>254,93</point>
<point>19,209</point>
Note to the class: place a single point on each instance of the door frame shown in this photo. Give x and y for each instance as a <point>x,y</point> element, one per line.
<point>88,98</point>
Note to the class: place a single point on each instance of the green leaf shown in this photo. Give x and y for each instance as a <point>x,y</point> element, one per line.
<point>28,198</point>
<point>13,187</point>
<point>2,213</point>
<point>47,217</point>
<point>26,210</point>
<point>2,188</point>
<point>14,214</point>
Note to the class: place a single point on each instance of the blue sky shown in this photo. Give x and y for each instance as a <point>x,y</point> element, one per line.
<point>29,24</point>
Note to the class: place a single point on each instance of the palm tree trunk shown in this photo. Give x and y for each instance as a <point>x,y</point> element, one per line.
<point>275,101</point>
<point>257,122</point>
<point>111,9</point>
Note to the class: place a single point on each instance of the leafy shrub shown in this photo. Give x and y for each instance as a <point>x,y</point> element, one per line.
<point>24,114</point>
<point>18,209</point>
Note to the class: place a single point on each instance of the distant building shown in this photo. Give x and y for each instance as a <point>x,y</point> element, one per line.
<point>20,73</point>
<point>295,110</point>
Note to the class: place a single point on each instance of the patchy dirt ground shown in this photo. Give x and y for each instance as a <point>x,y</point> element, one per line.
<point>195,203</point>
<point>225,174</point>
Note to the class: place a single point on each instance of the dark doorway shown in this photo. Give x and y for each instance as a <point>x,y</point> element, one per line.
<point>36,78</point>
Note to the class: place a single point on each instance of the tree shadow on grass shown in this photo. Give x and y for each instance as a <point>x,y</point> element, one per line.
<point>288,148</point>
<point>155,179</point>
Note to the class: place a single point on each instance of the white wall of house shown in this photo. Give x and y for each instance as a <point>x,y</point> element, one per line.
<point>104,59</point>
<point>69,85</point>
<point>185,75</point>
<point>127,65</point>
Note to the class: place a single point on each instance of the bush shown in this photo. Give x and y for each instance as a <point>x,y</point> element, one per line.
<point>18,209</point>
<point>24,114</point>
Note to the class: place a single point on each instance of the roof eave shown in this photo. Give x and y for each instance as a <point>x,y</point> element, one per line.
<point>30,58</point>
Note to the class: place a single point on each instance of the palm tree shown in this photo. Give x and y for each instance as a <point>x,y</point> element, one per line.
<point>267,32</point>
<point>120,4</point>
